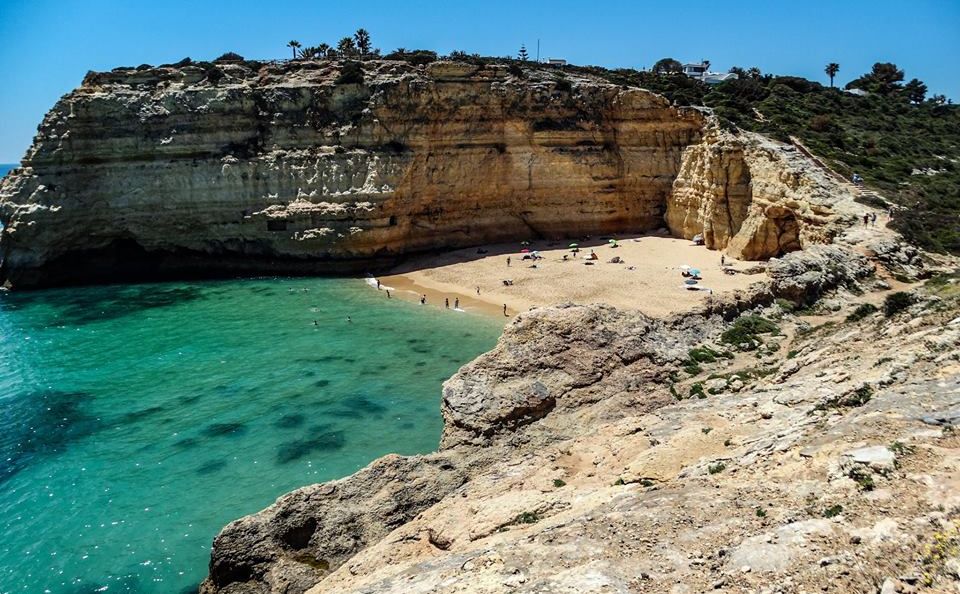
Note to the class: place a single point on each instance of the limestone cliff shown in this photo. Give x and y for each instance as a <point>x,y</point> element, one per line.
<point>303,167</point>
<point>755,198</point>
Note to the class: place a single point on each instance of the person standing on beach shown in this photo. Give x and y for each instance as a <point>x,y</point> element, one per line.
<point>456,303</point>
<point>446,303</point>
<point>423,300</point>
<point>723,259</point>
<point>388,293</point>
<point>508,260</point>
<point>866,219</point>
<point>478,290</point>
<point>378,284</point>
<point>873,219</point>
<point>504,309</point>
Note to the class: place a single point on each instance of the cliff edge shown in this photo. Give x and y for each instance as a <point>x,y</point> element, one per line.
<point>323,166</point>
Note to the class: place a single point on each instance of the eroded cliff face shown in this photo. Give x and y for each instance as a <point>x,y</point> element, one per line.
<point>265,167</point>
<point>755,198</point>
<point>282,167</point>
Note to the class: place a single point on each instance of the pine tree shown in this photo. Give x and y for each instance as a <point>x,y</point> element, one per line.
<point>523,56</point>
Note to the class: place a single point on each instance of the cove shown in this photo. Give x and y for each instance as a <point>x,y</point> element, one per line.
<point>138,420</point>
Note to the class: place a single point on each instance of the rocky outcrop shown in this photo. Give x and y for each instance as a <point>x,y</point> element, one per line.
<point>305,167</point>
<point>755,198</point>
<point>558,376</point>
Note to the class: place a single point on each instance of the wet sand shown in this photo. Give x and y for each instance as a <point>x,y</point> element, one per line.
<point>649,279</point>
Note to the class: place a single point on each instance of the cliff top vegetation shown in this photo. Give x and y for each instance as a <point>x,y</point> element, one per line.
<point>900,142</point>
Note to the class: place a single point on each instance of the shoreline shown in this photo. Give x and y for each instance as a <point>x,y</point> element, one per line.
<point>402,286</point>
<point>647,279</point>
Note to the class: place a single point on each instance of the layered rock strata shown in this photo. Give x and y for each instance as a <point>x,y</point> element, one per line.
<point>304,167</point>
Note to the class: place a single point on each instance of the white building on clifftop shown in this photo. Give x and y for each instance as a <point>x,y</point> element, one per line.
<point>700,71</point>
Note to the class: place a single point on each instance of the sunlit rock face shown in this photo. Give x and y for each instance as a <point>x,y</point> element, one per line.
<point>294,168</point>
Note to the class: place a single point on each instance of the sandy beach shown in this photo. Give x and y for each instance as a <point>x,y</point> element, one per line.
<point>648,278</point>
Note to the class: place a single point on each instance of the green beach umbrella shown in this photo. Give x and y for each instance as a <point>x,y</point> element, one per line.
<point>573,245</point>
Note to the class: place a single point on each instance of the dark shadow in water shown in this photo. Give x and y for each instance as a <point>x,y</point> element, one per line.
<point>211,466</point>
<point>220,429</point>
<point>189,399</point>
<point>290,421</point>
<point>76,307</point>
<point>186,443</point>
<point>139,415</point>
<point>367,406</point>
<point>315,441</point>
<point>359,407</point>
<point>42,424</point>
<point>321,383</point>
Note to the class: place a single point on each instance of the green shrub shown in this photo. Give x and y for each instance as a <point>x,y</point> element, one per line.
<point>691,367</point>
<point>558,483</point>
<point>785,304</point>
<point>832,511</point>
<point>851,399</point>
<point>230,57</point>
<point>863,478</point>
<point>744,333</point>
<point>761,513</point>
<point>863,310</point>
<point>350,73</point>
<point>716,468</point>
<point>527,518</point>
<point>696,390</point>
<point>897,302</point>
<point>563,85</point>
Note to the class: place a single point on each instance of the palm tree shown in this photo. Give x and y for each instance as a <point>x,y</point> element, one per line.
<point>346,47</point>
<point>362,37</point>
<point>294,45</point>
<point>832,69</point>
<point>324,50</point>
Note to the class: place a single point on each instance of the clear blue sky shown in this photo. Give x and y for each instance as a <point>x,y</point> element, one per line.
<point>46,46</point>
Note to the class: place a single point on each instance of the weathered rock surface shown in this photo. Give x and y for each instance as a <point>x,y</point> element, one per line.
<point>573,460</point>
<point>755,197</point>
<point>262,167</point>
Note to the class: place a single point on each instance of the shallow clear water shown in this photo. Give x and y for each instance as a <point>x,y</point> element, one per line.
<point>137,421</point>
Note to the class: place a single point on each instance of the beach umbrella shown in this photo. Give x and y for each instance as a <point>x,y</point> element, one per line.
<point>612,241</point>
<point>573,245</point>
<point>684,267</point>
<point>524,251</point>
<point>694,272</point>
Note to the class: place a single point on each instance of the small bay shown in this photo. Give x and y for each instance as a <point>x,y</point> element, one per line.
<point>138,420</point>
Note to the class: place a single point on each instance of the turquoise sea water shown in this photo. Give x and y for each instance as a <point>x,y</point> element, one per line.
<point>5,167</point>
<point>138,420</point>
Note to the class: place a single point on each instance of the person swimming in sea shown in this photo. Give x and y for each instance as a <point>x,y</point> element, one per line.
<point>349,320</point>
<point>423,300</point>
<point>388,293</point>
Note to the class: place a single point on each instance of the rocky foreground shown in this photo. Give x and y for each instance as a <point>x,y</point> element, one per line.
<point>797,437</point>
<point>309,166</point>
